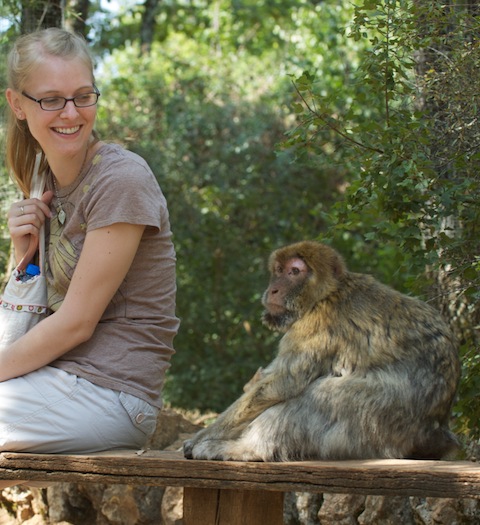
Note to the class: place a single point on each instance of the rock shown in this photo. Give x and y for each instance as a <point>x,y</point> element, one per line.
<point>75,503</point>
<point>341,509</point>
<point>306,506</point>
<point>119,506</point>
<point>170,425</point>
<point>21,503</point>
<point>444,511</point>
<point>172,506</point>
<point>392,510</point>
<point>5,517</point>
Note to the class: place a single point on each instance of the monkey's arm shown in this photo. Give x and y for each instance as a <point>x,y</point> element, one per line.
<point>255,379</point>
<point>286,377</point>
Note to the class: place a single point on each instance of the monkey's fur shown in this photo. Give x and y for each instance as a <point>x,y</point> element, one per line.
<point>362,371</point>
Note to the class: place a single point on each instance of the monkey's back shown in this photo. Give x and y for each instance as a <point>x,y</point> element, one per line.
<point>366,326</point>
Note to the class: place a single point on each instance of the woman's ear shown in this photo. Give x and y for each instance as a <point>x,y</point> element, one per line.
<point>13,99</point>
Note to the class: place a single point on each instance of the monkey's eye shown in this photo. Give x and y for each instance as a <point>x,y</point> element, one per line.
<point>294,271</point>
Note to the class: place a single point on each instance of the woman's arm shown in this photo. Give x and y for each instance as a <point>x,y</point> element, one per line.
<point>106,257</point>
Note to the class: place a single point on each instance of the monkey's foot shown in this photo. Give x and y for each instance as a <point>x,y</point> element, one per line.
<point>188,448</point>
<point>220,450</point>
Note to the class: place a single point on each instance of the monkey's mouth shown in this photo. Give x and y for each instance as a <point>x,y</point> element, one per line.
<point>275,309</point>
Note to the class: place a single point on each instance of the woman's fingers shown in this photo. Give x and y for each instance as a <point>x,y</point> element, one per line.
<point>25,219</point>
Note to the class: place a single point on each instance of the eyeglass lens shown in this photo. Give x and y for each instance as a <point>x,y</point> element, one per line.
<point>80,101</point>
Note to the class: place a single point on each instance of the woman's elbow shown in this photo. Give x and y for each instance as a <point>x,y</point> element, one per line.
<point>80,331</point>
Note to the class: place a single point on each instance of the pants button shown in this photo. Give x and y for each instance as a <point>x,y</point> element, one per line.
<point>139,418</point>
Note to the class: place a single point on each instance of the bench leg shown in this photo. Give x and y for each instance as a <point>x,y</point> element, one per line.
<point>232,507</point>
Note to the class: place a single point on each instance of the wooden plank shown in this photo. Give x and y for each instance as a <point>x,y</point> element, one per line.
<point>232,507</point>
<point>453,479</point>
<point>200,506</point>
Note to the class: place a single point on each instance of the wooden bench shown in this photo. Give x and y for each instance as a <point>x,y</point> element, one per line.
<point>236,493</point>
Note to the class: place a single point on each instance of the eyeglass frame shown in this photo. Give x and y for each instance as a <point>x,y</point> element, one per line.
<point>39,100</point>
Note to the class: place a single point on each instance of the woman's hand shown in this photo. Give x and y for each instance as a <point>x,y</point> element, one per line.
<point>25,219</point>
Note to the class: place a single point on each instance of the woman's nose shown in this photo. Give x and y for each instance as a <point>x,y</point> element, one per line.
<point>70,109</point>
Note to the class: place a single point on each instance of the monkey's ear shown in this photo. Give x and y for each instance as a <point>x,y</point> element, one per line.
<point>338,266</point>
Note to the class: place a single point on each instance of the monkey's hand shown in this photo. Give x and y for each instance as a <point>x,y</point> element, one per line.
<point>211,433</point>
<point>189,444</point>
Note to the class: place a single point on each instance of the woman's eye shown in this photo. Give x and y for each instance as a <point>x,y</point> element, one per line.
<point>84,98</point>
<point>53,101</point>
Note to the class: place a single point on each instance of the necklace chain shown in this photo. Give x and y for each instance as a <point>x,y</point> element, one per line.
<point>61,215</point>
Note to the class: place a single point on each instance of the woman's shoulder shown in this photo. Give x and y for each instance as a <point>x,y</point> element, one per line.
<point>110,153</point>
<point>112,162</point>
<point>120,184</point>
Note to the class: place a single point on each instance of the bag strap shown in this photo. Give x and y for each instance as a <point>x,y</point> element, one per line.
<point>36,191</point>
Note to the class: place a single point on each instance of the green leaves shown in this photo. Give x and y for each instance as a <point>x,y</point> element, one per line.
<point>209,131</point>
<point>403,127</point>
<point>269,122</point>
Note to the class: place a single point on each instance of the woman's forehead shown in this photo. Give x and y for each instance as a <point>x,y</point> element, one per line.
<point>55,74</point>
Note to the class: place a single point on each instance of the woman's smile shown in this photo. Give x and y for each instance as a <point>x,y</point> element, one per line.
<point>67,131</point>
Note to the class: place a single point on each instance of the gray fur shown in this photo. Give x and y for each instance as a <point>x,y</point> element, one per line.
<point>362,372</point>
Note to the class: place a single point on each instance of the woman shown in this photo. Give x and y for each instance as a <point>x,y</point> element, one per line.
<point>89,376</point>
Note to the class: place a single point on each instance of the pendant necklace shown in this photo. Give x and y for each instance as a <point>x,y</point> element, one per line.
<point>61,215</point>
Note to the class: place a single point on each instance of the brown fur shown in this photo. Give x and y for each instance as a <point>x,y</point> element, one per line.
<point>361,372</point>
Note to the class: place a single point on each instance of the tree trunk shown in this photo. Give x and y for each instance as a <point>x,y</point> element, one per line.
<point>41,14</point>
<point>445,69</point>
<point>147,28</point>
<point>77,21</point>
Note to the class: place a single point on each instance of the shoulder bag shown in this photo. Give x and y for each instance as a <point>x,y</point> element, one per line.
<point>24,300</point>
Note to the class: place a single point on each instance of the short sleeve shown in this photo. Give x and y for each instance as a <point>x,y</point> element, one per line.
<point>123,190</point>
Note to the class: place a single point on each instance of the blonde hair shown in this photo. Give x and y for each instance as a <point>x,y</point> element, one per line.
<point>27,53</point>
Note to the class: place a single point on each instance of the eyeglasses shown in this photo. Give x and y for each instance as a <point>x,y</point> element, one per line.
<point>55,103</point>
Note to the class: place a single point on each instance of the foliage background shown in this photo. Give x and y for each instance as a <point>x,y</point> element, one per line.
<point>269,122</point>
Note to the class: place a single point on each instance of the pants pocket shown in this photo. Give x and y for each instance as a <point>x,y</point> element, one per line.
<point>142,414</point>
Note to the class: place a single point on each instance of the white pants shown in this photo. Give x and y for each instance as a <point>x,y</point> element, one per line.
<point>52,411</point>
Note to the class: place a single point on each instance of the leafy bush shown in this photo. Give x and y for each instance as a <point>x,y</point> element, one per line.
<point>211,142</point>
<point>417,154</point>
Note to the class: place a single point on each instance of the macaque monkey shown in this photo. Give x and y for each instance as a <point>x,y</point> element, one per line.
<point>362,371</point>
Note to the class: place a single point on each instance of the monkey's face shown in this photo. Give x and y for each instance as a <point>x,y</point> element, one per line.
<point>283,298</point>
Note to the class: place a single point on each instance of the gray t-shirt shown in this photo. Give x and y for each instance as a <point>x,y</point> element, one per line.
<point>132,345</point>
